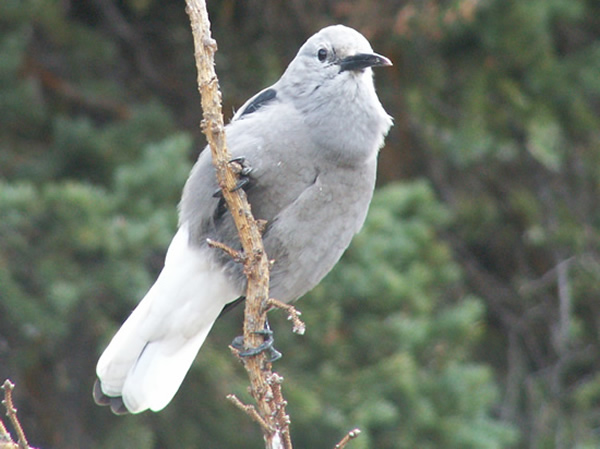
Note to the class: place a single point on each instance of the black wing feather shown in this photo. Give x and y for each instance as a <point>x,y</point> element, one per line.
<point>261,99</point>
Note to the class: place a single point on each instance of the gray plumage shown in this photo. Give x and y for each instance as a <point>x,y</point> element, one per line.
<point>312,141</point>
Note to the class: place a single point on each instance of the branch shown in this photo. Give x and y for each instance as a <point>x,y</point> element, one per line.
<point>349,436</point>
<point>265,385</point>
<point>256,262</point>
<point>6,440</point>
<point>250,410</point>
<point>293,315</point>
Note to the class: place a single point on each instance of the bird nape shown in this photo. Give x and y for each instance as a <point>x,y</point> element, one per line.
<point>312,141</point>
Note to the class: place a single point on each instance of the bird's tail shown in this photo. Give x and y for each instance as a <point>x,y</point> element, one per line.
<point>135,374</point>
<point>146,361</point>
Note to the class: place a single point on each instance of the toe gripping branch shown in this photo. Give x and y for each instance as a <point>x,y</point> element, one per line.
<point>243,170</point>
<point>267,346</point>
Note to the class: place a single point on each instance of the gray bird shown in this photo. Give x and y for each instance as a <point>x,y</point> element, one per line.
<point>312,141</point>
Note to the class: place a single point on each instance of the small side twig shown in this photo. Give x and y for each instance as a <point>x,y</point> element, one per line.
<point>299,327</point>
<point>238,256</point>
<point>5,438</point>
<point>11,413</point>
<point>349,436</point>
<point>282,418</point>
<point>250,410</point>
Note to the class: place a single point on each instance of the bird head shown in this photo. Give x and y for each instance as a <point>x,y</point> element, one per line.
<point>330,57</point>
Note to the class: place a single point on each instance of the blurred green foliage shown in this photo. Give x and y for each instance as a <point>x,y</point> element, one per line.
<point>393,350</point>
<point>464,315</point>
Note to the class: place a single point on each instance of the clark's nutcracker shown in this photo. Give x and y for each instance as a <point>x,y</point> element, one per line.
<point>312,141</point>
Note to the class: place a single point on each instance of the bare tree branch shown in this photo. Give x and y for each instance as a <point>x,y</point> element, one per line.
<point>349,436</point>
<point>293,315</point>
<point>5,438</point>
<point>265,386</point>
<point>256,263</point>
<point>250,410</point>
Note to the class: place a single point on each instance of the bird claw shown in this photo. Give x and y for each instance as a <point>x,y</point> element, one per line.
<point>267,346</point>
<point>242,182</point>
<point>243,170</point>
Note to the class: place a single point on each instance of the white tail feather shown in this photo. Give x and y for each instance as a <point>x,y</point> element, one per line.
<point>150,355</point>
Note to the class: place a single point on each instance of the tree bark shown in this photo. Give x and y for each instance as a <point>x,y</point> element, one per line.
<point>265,385</point>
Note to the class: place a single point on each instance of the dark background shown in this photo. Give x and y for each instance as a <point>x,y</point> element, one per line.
<point>465,315</point>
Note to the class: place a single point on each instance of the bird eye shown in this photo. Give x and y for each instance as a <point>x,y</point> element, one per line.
<point>322,54</point>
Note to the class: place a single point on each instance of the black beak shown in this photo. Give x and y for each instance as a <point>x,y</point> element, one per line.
<point>361,61</point>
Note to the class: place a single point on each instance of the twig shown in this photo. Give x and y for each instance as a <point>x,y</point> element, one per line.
<point>235,255</point>
<point>6,441</point>
<point>256,262</point>
<point>275,380</point>
<point>11,412</point>
<point>349,436</point>
<point>250,410</point>
<point>293,315</point>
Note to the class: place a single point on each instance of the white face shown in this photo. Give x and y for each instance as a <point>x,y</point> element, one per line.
<point>323,51</point>
<point>330,58</point>
<point>333,44</point>
<point>331,82</point>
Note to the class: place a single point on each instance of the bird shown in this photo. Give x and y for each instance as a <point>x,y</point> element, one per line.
<point>309,145</point>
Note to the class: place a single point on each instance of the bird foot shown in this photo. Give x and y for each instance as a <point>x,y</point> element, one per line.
<point>240,166</point>
<point>243,170</point>
<point>267,346</point>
